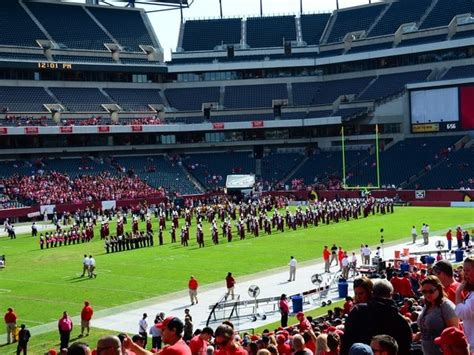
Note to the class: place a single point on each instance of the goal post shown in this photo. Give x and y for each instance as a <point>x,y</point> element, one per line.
<point>377,163</point>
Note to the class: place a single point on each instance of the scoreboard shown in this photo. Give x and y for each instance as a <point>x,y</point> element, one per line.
<point>442,109</point>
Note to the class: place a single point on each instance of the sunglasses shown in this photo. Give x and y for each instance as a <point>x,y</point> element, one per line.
<point>429,292</point>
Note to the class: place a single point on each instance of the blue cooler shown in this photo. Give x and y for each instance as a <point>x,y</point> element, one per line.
<point>297,302</point>
<point>404,267</point>
<point>459,254</point>
<point>343,288</point>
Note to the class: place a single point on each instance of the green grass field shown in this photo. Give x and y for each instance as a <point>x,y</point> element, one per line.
<point>40,284</point>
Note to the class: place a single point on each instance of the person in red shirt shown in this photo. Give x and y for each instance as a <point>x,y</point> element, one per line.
<point>444,270</point>
<point>172,329</point>
<point>326,258</point>
<point>86,316</point>
<point>283,347</point>
<point>10,321</point>
<point>225,341</point>
<point>304,323</point>
<point>193,286</point>
<point>405,286</point>
<point>459,236</point>
<point>449,237</point>
<point>340,256</point>
<point>348,305</point>
<point>230,283</point>
<point>199,343</point>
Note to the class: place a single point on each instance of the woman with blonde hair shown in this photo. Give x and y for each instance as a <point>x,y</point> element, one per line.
<point>322,344</point>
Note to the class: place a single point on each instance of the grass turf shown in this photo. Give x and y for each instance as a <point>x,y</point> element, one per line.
<point>40,284</point>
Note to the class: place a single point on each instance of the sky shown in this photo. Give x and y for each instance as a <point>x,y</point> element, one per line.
<point>166,24</point>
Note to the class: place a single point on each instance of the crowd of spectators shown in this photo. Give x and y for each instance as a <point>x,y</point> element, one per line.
<point>377,320</point>
<point>54,187</point>
<point>25,121</point>
<point>144,121</point>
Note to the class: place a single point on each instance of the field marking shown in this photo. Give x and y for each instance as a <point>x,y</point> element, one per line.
<point>5,290</point>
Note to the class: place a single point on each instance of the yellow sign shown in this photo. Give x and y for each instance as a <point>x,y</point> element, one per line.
<point>423,128</point>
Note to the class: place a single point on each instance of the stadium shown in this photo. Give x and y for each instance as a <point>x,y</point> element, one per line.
<point>261,138</point>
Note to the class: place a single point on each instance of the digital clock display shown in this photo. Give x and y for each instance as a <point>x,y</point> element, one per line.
<point>50,65</point>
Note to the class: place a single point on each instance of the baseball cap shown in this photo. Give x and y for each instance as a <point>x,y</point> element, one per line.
<point>168,320</point>
<point>451,336</point>
<point>360,349</point>
<point>299,314</point>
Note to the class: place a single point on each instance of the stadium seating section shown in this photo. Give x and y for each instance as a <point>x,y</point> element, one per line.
<point>354,19</point>
<point>70,26</point>
<point>211,33</point>
<point>461,72</point>
<point>135,100</point>
<point>253,96</point>
<point>277,166</point>
<point>24,99</point>
<point>270,31</point>
<point>445,10</point>
<point>191,99</point>
<point>312,27</point>
<point>81,99</point>
<point>400,12</point>
<point>126,26</point>
<point>12,27</point>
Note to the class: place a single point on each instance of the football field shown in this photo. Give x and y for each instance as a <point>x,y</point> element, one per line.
<point>41,284</point>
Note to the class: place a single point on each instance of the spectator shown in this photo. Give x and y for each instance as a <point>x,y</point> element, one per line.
<point>360,349</point>
<point>65,326</point>
<point>379,316</point>
<point>172,328</point>
<point>299,346</point>
<point>199,343</point>
<point>437,315</point>
<point>155,336</point>
<point>109,345</point>
<point>384,344</point>
<point>363,287</point>
<point>452,341</point>
<point>188,329</point>
<point>443,269</point>
<point>79,348</point>
<point>10,321</point>
<point>224,339</point>
<point>465,305</point>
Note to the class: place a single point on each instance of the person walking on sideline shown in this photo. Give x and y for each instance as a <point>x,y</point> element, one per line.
<point>10,321</point>
<point>86,316</point>
<point>193,286</point>
<point>85,265</point>
<point>230,284</point>
<point>23,337</point>
<point>65,326</point>
<point>92,267</point>
<point>142,329</point>
<point>292,265</point>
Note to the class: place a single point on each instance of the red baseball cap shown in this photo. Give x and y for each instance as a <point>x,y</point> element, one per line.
<point>164,324</point>
<point>451,336</point>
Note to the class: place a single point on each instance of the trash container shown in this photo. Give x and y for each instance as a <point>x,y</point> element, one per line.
<point>342,288</point>
<point>404,267</point>
<point>459,254</point>
<point>297,302</point>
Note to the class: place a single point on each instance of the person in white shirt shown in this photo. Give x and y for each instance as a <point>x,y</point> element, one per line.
<point>353,264</point>
<point>413,234</point>
<point>92,267</point>
<point>465,302</point>
<point>366,253</point>
<point>85,265</point>
<point>345,266</point>
<point>292,265</point>
<point>142,329</point>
